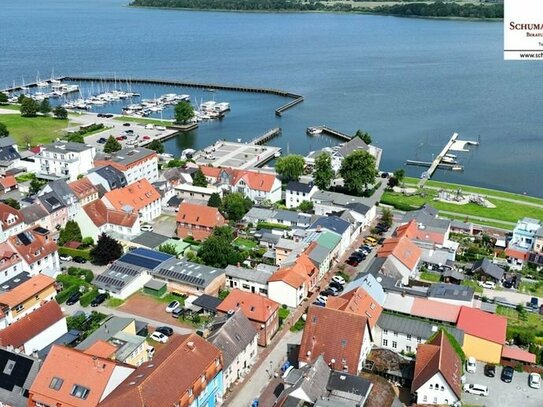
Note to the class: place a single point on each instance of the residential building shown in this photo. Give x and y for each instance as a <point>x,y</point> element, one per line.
<point>27,297</point>
<point>9,155</point>
<point>426,229</point>
<point>371,286</point>
<point>326,251</point>
<point>60,190</point>
<point>70,378</point>
<point>289,286</point>
<point>7,183</point>
<point>11,221</point>
<point>359,302</point>
<point>451,294</point>
<point>285,248</point>
<point>36,330</point>
<point>197,221</point>
<point>344,349</point>
<point>10,264</point>
<point>484,334</point>
<point>139,197</point>
<point>37,250</point>
<point>405,333</point>
<point>65,160</point>
<point>237,339</point>
<point>35,215</point>
<point>84,190</point>
<point>438,370</point>
<point>297,192</point>
<point>538,242</point>
<point>485,270</point>
<point>57,210</point>
<point>196,194</point>
<point>135,163</point>
<point>188,372</point>
<point>402,258</point>
<point>108,178</point>
<point>261,311</point>
<point>302,264</point>
<point>250,280</point>
<point>336,225</point>
<point>279,216</point>
<point>166,191</point>
<point>18,373</point>
<point>522,242</point>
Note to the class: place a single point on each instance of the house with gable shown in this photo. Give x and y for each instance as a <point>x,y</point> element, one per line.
<point>197,220</point>
<point>9,155</point>
<point>106,179</point>
<point>140,197</point>
<point>338,226</point>
<point>84,190</point>
<point>401,258</point>
<point>298,192</point>
<point>522,242</point>
<point>37,250</point>
<point>64,194</point>
<point>10,264</point>
<point>289,285</point>
<point>11,221</point>
<point>18,373</point>
<point>135,163</point>
<point>485,270</point>
<point>65,160</point>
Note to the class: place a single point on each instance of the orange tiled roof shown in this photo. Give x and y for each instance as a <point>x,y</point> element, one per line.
<point>256,307</point>
<point>294,275</point>
<point>517,254</point>
<point>5,212</point>
<point>8,182</point>
<point>359,302</point>
<point>211,172</point>
<point>201,215</point>
<point>515,353</point>
<point>407,252</point>
<point>99,214</point>
<point>8,257</point>
<point>411,231</point>
<point>40,246</point>
<point>101,349</point>
<point>437,310</point>
<point>482,324</point>
<point>83,188</point>
<point>136,195</point>
<point>26,290</point>
<point>73,368</point>
<point>256,180</point>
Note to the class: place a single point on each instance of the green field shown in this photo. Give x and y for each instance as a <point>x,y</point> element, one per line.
<point>11,107</point>
<point>245,243</point>
<point>530,321</point>
<point>40,130</point>
<point>497,224</point>
<point>535,289</point>
<point>427,276</point>
<point>474,285</point>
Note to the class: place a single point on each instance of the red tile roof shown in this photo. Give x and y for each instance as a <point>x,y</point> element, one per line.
<point>201,215</point>
<point>21,331</point>
<point>294,275</point>
<point>74,368</point>
<point>40,246</point>
<point>411,230</point>
<point>83,188</point>
<point>438,356</point>
<point>407,252</point>
<point>8,182</point>
<point>8,257</point>
<point>255,307</point>
<point>437,310</point>
<point>337,335</point>
<point>255,180</point>
<point>515,353</point>
<point>517,253</point>
<point>7,212</point>
<point>359,302</point>
<point>482,324</point>
<point>101,349</point>
<point>26,290</point>
<point>99,214</point>
<point>136,195</point>
<point>166,380</point>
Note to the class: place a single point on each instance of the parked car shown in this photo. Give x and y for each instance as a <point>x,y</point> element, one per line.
<point>337,286</point>
<point>339,280</point>
<point>102,140</point>
<point>533,304</point>
<point>108,115</point>
<point>73,298</point>
<point>146,227</point>
<point>100,298</point>
<point>322,299</point>
<point>534,380</point>
<point>370,240</point>
<point>366,247</point>
<point>65,257</point>
<point>126,124</point>
<point>487,284</point>
<point>507,374</point>
<point>166,330</point>
<point>352,262</point>
<point>146,138</point>
<point>172,305</point>
<point>79,259</point>
<point>320,304</point>
<point>490,370</point>
<point>334,291</point>
<point>326,292</point>
<point>471,365</point>
<point>381,240</point>
<point>477,389</point>
<point>176,313</point>
<point>159,337</point>
<point>507,284</point>
<point>100,115</point>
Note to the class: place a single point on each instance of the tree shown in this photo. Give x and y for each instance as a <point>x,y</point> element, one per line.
<point>183,112</point>
<point>70,233</point>
<point>323,174</point>
<point>45,106</point>
<point>13,203</point>
<point>35,185</point>
<point>112,145</point>
<point>358,170</point>
<point>199,179</point>
<point>157,146</point>
<point>87,241</point>
<point>176,163</point>
<point>29,107</point>
<point>4,132</point>
<point>3,98</point>
<point>235,206</point>
<point>76,138</point>
<point>106,250</point>
<point>306,206</point>
<point>365,136</point>
<point>214,200</point>
<point>387,217</point>
<point>399,174</point>
<point>168,248</point>
<point>217,251</point>
<point>20,98</point>
<point>291,167</point>
<point>60,113</point>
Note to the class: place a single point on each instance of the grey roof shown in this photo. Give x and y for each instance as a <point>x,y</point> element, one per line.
<point>14,281</point>
<point>433,255</point>
<point>260,276</point>
<point>270,237</point>
<point>233,337</point>
<point>427,216</point>
<point>457,224</point>
<point>112,175</point>
<point>259,213</point>
<point>415,327</point>
<point>117,275</point>
<point>313,380</point>
<point>349,384</point>
<point>298,218</point>
<point>106,330</point>
<point>66,146</point>
<point>539,232</point>
<point>126,156</point>
<point>187,272</point>
<point>126,344</point>
<point>319,254</point>
<point>489,307</point>
<point>451,292</point>
<point>300,187</point>
<point>14,385</point>
<point>338,199</point>
<point>370,284</point>
<point>150,239</point>
<point>356,143</point>
<point>62,191</point>
<point>6,141</point>
<point>207,302</point>
<point>68,338</point>
<point>332,223</point>
<point>8,152</point>
<point>488,268</point>
<point>453,273</point>
<point>174,201</point>
<point>358,207</point>
<point>51,202</point>
<point>154,285</point>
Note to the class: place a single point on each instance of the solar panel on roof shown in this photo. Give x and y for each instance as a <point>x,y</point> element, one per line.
<point>181,277</point>
<point>140,261</point>
<point>152,254</point>
<point>24,238</point>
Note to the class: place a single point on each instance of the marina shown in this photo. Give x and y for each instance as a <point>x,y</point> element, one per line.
<point>316,130</point>
<point>236,155</point>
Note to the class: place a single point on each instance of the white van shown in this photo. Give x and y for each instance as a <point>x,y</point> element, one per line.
<point>150,127</point>
<point>471,365</point>
<point>477,389</point>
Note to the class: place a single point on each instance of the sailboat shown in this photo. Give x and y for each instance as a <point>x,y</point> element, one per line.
<point>41,84</point>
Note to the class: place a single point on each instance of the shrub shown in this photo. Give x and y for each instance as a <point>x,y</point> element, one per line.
<point>298,326</point>
<point>75,271</point>
<point>87,298</point>
<point>62,296</point>
<point>67,251</point>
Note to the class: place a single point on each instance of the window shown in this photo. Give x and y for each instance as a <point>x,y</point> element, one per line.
<point>418,339</point>
<point>394,344</point>
<point>395,333</point>
<point>19,307</point>
<point>425,398</point>
<point>385,331</point>
<point>190,392</point>
<point>408,337</point>
<point>80,392</point>
<point>442,388</point>
<point>431,387</point>
<point>246,286</point>
<point>385,342</point>
<point>408,348</point>
<point>435,400</point>
<point>56,383</point>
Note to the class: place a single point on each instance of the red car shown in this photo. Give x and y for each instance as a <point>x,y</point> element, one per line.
<point>146,138</point>
<point>120,138</point>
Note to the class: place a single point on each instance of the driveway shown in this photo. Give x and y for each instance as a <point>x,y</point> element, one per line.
<point>508,296</point>
<point>88,265</point>
<point>165,225</point>
<point>516,393</point>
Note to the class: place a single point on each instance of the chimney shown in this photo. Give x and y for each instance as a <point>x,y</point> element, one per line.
<point>190,345</point>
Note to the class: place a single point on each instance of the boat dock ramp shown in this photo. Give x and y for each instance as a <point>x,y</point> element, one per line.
<point>329,132</point>
<point>270,134</point>
<point>236,155</point>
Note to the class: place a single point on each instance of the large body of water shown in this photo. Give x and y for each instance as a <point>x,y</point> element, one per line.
<point>410,82</point>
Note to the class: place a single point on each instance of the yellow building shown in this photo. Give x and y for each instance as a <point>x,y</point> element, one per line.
<point>484,334</point>
<point>27,297</point>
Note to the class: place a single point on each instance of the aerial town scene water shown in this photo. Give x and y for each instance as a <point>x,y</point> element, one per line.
<point>259,203</point>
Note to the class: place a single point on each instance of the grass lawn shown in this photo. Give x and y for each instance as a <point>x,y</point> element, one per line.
<point>496,224</point>
<point>530,321</point>
<point>245,243</point>
<point>41,130</point>
<point>474,285</point>
<point>114,302</point>
<point>535,289</point>
<point>11,107</point>
<point>144,120</point>
<point>169,297</point>
<point>434,277</point>
<point>504,210</point>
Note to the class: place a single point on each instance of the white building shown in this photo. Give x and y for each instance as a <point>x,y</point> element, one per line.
<point>65,160</point>
<point>139,197</point>
<point>37,251</point>
<point>250,280</point>
<point>11,222</point>
<point>135,163</point>
<point>298,192</point>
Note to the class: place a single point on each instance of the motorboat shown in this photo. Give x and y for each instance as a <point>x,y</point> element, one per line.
<point>448,160</point>
<point>313,131</point>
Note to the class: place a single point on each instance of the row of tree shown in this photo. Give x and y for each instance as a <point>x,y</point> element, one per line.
<point>31,108</point>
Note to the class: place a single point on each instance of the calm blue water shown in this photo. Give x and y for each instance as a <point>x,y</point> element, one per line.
<point>410,82</point>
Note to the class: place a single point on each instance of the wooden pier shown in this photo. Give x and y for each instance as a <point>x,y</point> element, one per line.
<point>270,134</point>
<point>437,161</point>
<point>335,133</point>
<point>441,166</point>
<point>297,99</point>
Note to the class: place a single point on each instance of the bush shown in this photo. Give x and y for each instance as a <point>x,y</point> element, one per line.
<point>87,298</point>
<point>298,326</point>
<point>75,271</point>
<point>67,251</point>
<point>267,225</point>
<point>66,293</point>
<point>87,241</point>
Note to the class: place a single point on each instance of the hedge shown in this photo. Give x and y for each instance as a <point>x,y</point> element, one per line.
<point>267,225</point>
<point>87,298</point>
<point>75,271</point>
<point>62,296</point>
<point>70,280</point>
<point>67,251</point>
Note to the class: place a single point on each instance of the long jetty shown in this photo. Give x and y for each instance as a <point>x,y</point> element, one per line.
<point>437,161</point>
<point>211,86</point>
<point>266,136</point>
<point>335,133</point>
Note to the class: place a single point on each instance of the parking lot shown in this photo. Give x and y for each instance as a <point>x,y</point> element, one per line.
<point>516,393</point>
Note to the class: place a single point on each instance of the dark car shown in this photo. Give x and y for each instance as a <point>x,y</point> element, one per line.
<point>507,374</point>
<point>352,262</point>
<point>100,298</point>
<point>79,259</point>
<point>101,140</point>
<point>384,175</point>
<point>166,330</point>
<point>100,115</point>
<point>507,284</point>
<point>490,370</point>
<point>381,240</point>
<point>328,292</point>
<point>126,124</point>
<point>335,285</point>
<point>108,115</point>
<point>73,298</point>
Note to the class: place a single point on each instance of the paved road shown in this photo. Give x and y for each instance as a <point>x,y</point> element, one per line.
<point>512,297</point>
<point>88,265</point>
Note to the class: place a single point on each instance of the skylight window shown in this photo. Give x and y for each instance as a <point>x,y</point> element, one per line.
<point>80,392</point>
<point>56,383</point>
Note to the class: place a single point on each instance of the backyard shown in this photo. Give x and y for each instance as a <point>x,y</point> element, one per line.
<point>524,326</point>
